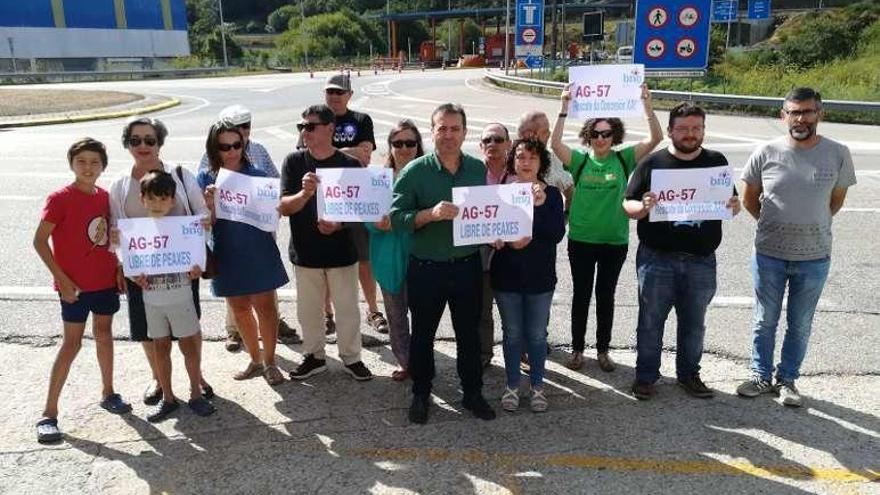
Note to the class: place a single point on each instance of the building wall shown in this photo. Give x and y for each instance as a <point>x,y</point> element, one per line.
<point>93,28</point>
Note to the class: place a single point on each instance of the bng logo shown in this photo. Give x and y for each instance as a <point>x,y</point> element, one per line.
<point>521,198</point>
<point>192,228</point>
<point>722,180</point>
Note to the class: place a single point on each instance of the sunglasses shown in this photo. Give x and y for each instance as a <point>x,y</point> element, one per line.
<point>336,92</point>
<point>134,142</point>
<point>309,126</point>
<point>226,146</point>
<point>493,139</point>
<point>601,134</point>
<point>408,143</point>
<point>246,125</point>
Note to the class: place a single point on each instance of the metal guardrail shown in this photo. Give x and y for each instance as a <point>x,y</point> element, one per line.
<point>760,101</point>
<point>25,77</point>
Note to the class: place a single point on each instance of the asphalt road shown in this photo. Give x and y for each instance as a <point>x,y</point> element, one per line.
<point>353,439</point>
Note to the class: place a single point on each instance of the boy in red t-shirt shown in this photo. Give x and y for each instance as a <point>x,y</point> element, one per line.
<point>85,272</point>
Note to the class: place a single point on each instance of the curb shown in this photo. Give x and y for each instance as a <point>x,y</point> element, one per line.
<point>173,102</point>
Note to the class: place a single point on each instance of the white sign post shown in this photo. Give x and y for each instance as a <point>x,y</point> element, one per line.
<point>606,90</point>
<point>154,246</point>
<point>489,213</point>
<point>246,199</point>
<point>691,194</point>
<point>354,194</point>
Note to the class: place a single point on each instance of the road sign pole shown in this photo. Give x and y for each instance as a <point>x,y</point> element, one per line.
<point>507,39</point>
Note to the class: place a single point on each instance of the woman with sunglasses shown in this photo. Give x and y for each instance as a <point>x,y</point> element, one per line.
<point>598,235</point>
<point>523,276</point>
<point>249,267</point>
<point>143,137</point>
<point>389,250</point>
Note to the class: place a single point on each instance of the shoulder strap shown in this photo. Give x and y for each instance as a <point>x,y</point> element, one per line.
<point>577,176</point>
<point>619,155</point>
<point>179,171</point>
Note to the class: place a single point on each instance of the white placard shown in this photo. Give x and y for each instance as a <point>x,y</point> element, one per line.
<point>489,213</point>
<point>691,194</point>
<point>606,90</point>
<point>354,194</point>
<point>246,199</point>
<point>153,246</point>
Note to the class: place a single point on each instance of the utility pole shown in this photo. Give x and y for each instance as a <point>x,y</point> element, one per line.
<point>223,34</point>
<point>302,30</point>
<point>553,38</point>
<point>449,30</point>
<point>507,38</point>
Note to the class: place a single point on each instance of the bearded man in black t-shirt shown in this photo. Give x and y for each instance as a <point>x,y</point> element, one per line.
<point>675,261</point>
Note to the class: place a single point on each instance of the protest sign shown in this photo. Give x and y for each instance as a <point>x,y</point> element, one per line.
<point>246,199</point>
<point>488,213</point>
<point>354,194</point>
<point>691,194</point>
<point>606,90</point>
<point>153,246</point>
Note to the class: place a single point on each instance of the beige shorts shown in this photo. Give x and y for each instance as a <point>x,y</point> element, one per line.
<point>178,320</point>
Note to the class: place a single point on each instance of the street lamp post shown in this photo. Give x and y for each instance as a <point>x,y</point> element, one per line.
<point>302,28</point>
<point>507,38</point>
<point>223,34</point>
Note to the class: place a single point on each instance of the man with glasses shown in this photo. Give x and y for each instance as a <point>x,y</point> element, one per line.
<point>534,124</point>
<point>440,273</point>
<point>323,253</point>
<point>494,145</point>
<point>256,154</point>
<point>354,137</point>
<point>675,263</point>
<point>794,185</point>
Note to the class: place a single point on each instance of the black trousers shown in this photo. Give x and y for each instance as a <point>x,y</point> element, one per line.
<point>604,262</point>
<point>431,286</point>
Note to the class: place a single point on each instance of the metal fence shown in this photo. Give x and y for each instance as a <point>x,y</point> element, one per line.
<point>110,75</point>
<point>757,101</point>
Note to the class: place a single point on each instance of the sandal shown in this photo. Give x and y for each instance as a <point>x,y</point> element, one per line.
<point>201,407</point>
<point>273,375</point>
<point>153,394</point>
<point>47,430</point>
<point>539,402</point>
<point>253,369</point>
<point>400,375</point>
<point>575,362</point>
<point>114,404</point>
<point>510,400</point>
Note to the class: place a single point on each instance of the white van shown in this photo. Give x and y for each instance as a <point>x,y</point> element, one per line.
<point>625,54</point>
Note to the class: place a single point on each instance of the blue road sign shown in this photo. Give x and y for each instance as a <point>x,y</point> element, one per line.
<point>672,34</point>
<point>724,10</point>
<point>529,28</point>
<point>534,61</point>
<point>759,9</point>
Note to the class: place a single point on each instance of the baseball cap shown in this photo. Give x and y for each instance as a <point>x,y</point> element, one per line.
<point>236,115</point>
<point>338,81</point>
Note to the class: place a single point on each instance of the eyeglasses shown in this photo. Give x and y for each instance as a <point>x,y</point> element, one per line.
<point>246,126</point>
<point>309,126</point>
<point>601,134</point>
<point>810,113</point>
<point>335,91</point>
<point>134,142</point>
<point>493,139</point>
<point>408,143</point>
<point>226,146</point>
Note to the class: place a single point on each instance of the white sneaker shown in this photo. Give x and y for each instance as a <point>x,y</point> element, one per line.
<point>788,394</point>
<point>510,400</point>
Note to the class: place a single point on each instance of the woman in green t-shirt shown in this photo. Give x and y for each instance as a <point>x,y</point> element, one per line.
<point>598,233</point>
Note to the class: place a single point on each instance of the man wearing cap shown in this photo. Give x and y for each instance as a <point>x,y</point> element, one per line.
<point>354,137</point>
<point>257,155</point>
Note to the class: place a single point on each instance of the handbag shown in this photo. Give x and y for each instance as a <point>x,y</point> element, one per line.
<point>210,270</point>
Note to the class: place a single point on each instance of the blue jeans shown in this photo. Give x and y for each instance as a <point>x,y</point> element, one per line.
<point>524,319</point>
<point>667,280</point>
<point>805,280</point>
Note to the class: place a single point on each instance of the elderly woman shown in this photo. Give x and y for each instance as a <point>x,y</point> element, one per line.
<point>249,268</point>
<point>143,137</point>
<point>598,235</point>
<point>389,250</point>
<point>523,276</point>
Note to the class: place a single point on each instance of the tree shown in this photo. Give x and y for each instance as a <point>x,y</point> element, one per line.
<point>279,20</point>
<point>335,35</point>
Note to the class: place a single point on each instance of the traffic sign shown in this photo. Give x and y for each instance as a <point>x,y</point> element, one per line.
<point>724,11</point>
<point>759,9</point>
<point>594,26</point>
<point>534,61</point>
<point>672,34</point>
<point>529,28</point>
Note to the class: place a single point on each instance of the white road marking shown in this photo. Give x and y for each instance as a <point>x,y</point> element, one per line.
<point>281,134</point>
<point>20,198</point>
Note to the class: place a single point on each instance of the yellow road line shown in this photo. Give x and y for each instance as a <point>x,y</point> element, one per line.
<point>621,464</point>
